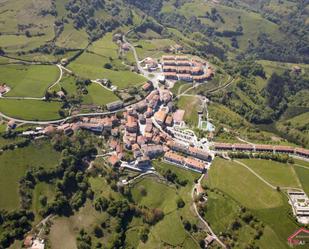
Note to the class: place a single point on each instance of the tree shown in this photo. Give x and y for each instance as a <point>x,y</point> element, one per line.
<point>98,232</point>
<point>108,66</point>
<point>180,203</point>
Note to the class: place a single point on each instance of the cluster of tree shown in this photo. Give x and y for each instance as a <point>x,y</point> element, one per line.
<point>214,15</point>
<point>282,158</point>
<point>123,211</point>
<point>173,178</point>
<point>83,15</point>
<point>282,86</point>
<point>149,23</point>
<point>16,144</point>
<point>13,226</point>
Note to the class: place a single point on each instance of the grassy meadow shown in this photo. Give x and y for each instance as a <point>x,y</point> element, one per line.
<point>269,206</point>
<point>28,81</point>
<point>30,109</point>
<point>15,163</point>
<point>98,95</point>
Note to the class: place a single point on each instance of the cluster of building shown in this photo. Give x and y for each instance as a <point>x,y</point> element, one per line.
<point>189,157</point>
<point>300,205</point>
<point>262,148</point>
<point>142,137</point>
<point>181,68</point>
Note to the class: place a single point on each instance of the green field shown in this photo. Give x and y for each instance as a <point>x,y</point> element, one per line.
<point>270,206</point>
<point>30,109</point>
<point>277,174</point>
<point>28,81</point>
<point>13,165</point>
<point>90,65</point>
<point>98,95</point>
<point>303,175</point>
<point>191,115</point>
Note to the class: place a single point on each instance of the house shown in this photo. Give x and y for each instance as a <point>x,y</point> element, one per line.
<point>114,105</point>
<point>182,63</point>
<point>152,151</point>
<point>49,130</point>
<point>11,124</point>
<point>60,94</point>
<point>28,241</point>
<point>169,69</point>
<point>170,76</point>
<point>147,86</point>
<point>194,164</point>
<point>92,127</point>
<point>174,158</point>
<point>131,125</point>
<point>283,149</point>
<point>178,116</point>
<point>199,78</point>
<point>38,244</point>
<point>113,160</point>
<point>197,71</point>
<point>169,121</point>
<point>264,148</point>
<point>184,70</point>
<point>4,89</point>
<point>125,46</point>
<point>185,77</point>
<point>181,57</point>
<point>168,57</point>
<point>143,161</point>
<point>302,152</point>
<point>160,116</point>
<point>148,127</point>
<point>223,146</point>
<point>243,147</point>
<point>169,63</point>
<point>199,153</point>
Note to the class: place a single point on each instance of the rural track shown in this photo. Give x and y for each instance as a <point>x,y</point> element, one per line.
<point>265,181</point>
<point>201,218</point>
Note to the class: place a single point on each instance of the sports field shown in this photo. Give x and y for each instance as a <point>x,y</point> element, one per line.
<point>13,165</point>
<point>30,109</point>
<point>28,81</point>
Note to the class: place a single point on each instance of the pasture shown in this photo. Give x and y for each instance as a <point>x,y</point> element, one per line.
<point>30,109</point>
<point>28,81</point>
<point>98,95</point>
<point>278,174</point>
<point>270,206</point>
<point>15,163</point>
<point>91,66</point>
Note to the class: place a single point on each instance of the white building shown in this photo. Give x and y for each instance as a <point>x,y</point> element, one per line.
<point>300,205</point>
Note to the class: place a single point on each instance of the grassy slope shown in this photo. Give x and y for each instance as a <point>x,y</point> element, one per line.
<point>30,109</point>
<point>28,81</point>
<point>268,205</point>
<point>190,105</point>
<point>13,165</point>
<point>303,175</point>
<point>170,230</point>
<point>278,174</point>
<point>98,95</point>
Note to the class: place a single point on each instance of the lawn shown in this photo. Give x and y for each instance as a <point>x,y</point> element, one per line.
<point>98,95</point>
<point>28,81</point>
<point>190,105</point>
<point>30,109</point>
<point>278,174</point>
<point>13,165</point>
